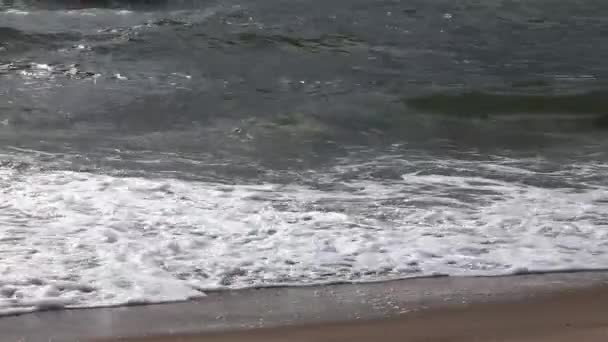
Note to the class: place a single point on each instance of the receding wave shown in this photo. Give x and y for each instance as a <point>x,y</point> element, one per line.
<point>104,240</point>
<point>482,103</point>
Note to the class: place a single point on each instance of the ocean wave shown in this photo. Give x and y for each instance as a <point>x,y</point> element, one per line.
<point>11,36</point>
<point>485,103</point>
<point>88,239</point>
<point>328,42</point>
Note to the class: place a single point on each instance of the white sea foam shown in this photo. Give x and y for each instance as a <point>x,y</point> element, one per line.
<point>72,239</point>
<point>95,19</point>
<point>17,12</point>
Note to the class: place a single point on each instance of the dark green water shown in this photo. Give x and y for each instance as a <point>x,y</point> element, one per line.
<point>293,84</point>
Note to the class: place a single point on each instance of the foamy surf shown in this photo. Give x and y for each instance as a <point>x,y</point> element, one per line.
<point>76,239</point>
<point>230,145</point>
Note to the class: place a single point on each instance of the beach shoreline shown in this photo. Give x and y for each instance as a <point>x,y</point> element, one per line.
<point>571,315</point>
<point>366,309</point>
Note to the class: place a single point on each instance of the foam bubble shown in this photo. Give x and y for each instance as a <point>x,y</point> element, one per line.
<point>73,239</point>
<point>16,11</point>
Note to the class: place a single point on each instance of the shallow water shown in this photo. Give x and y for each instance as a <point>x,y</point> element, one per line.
<point>152,150</point>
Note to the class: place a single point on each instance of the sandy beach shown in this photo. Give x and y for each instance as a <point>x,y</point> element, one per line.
<point>568,316</point>
<point>536,307</point>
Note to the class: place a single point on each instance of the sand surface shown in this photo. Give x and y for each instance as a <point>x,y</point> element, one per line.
<point>578,315</point>
<point>537,307</point>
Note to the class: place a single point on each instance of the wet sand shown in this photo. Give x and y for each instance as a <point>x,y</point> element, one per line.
<point>542,307</point>
<point>579,315</point>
